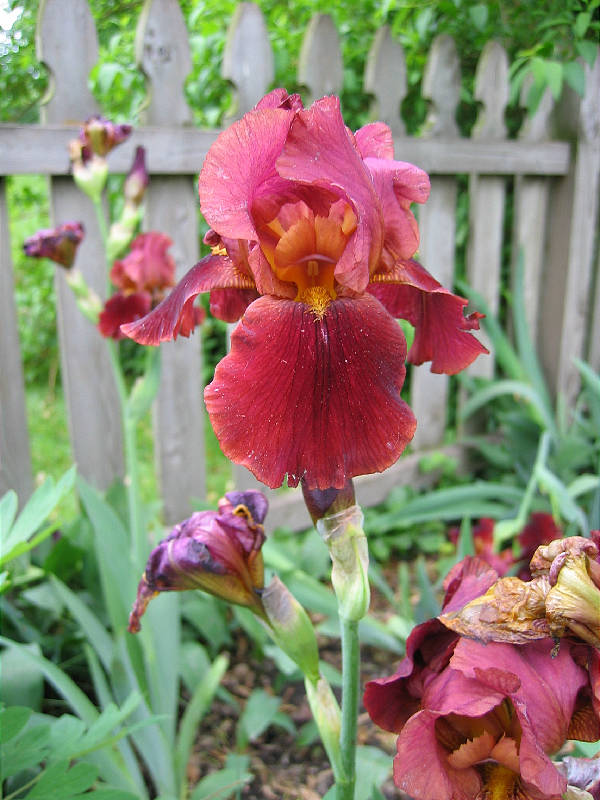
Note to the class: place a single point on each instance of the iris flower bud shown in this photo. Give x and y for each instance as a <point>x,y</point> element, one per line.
<point>58,244</point>
<point>216,551</point>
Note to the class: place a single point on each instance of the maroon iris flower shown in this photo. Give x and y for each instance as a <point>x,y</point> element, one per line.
<point>142,278</point>
<point>312,243</point>
<point>218,552</point>
<point>58,244</point>
<point>483,544</point>
<point>481,720</point>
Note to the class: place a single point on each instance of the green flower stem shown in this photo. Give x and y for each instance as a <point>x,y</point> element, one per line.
<point>350,683</point>
<point>129,422</point>
<point>103,227</point>
<point>131,479</point>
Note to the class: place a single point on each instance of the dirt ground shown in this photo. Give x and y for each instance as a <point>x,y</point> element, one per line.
<point>283,770</point>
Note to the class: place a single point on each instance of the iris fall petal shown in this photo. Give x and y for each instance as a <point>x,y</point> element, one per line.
<point>317,399</point>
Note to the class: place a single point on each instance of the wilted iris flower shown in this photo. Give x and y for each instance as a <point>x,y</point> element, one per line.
<point>480,720</point>
<point>216,551</point>
<point>142,278</point>
<point>312,242</point>
<point>562,599</point>
<point>58,244</point>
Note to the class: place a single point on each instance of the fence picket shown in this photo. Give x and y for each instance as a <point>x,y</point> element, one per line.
<point>437,221</point>
<point>320,66</point>
<point>248,58</point>
<point>532,194</point>
<point>67,44</point>
<point>555,225</point>
<point>15,462</point>
<point>385,79</point>
<point>573,230</point>
<point>172,208</point>
<point>487,193</point>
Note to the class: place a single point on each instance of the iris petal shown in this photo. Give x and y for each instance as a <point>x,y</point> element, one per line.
<point>441,328</point>
<point>320,151</point>
<point>317,399</point>
<point>171,317</point>
<point>241,165</point>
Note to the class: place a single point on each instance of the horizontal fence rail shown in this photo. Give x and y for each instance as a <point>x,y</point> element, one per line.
<point>553,186</point>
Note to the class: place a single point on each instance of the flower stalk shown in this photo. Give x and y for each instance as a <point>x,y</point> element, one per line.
<point>343,533</point>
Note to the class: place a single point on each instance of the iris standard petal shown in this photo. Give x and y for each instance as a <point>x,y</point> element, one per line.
<point>320,151</point>
<point>239,166</point>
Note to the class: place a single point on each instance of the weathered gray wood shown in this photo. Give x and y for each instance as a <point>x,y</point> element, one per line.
<point>172,208</point>
<point>67,45</point>
<point>320,67</point>
<point>571,256</point>
<point>15,461</point>
<point>593,355</point>
<point>40,150</point>
<point>441,85</point>
<point>385,79</point>
<point>437,222</point>
<point>248,58</point>
<point>530,227</point>
<point>162,49</point>
<point>487,193</point>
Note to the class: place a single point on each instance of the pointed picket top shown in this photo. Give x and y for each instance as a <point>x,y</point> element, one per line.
<point>491,89</point>
<point>248,59</point>
<point>536,127</point>
<point>441,85</point>
<point>67,44</point>
<point>320,67</point>
<point>163,53</point>
<point>385,78</point>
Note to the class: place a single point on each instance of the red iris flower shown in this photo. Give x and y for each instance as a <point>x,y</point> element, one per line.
<point>480,720</point>
<point>483,544</point>
<point>58,244</point>
<point>142,278</point>
<point>312,243</point>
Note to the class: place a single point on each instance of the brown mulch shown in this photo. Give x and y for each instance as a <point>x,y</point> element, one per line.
<point>282,769</point>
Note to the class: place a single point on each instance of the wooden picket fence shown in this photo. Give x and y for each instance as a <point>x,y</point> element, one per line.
<point>555,184</point>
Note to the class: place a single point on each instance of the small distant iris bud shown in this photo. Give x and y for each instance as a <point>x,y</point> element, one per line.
<point>101,135</point>
<point>344,536</point>
<point>218,552</point>
<point>58,244</point>
<point>89,170</point>
<point>572,567</point>
<point>137,179</point>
